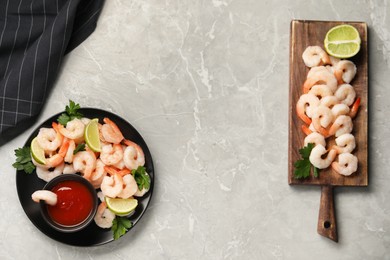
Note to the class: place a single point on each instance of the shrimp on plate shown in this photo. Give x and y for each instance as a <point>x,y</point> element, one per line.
<point>111,154</point>
<point>47,174</point>
<point>47,196</point>
<point>111,132</point>
<point>112,186</point>
<point>85,162</point>
<point>346,165</point>
<point>130,187</point>
<point>98,174</point>
<point>49,139</point>
<point>104,216</point>
<point>133,155</point>
<point>55,159</point>
<point>74,129</point>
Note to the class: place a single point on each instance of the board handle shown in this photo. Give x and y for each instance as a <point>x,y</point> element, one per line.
<point>327,226</point>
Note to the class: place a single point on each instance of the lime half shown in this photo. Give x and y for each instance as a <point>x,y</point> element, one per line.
<point>91,135</point>
<point>121,207</point>
<point>342,41</point>
<point>37,152</point>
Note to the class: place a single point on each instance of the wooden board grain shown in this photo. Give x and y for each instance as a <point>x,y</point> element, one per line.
<point>307,33</point>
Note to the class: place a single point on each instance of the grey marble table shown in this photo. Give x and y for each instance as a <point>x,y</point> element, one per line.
<point>206,84</point>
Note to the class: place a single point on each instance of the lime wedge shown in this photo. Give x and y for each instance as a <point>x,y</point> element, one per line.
<point>37,152</point>
<point>91,135</point>
<point>121,207</point>
<point>342,41</point>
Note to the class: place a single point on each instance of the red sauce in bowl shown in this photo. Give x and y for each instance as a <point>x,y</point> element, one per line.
<point>74,203</point>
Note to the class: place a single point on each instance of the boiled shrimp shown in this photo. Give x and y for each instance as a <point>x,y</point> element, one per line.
<point>315,138</point>
<point>104,216</point>
<point>111,154</point>
<point>47,196</point>
<point>317,156</point>
<point>130,187</point>
<point>58,158</point>
<point>342,125</point>
<point>74,129</point>
<point>133,155</point>
<point>69,153</point>
<point>329,101</point>
<point>111,132</point>
<point>315,56</point>
<point>49,139</point>
<point>346,165</point>
<point>305,105</point>
<point>345,71</point>
<point>69,169</point>
<point>47,174</point>
<point>346,94</point>
<point>320,91</point>
<point>112,186</point>
<point>318,78</point>
<point>322,118</point>
<point>340,109</point>
<point>355,108</point>
<point>98,174</point>
<point>84,162</point>
<point>345,143</point>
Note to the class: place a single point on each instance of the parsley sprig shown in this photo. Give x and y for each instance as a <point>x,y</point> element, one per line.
<point>79,148</point>
<point>303,166</point>
<point>120,225</point>
<point>23,160</point>
<point>71,112</point>
<point>141,177</point>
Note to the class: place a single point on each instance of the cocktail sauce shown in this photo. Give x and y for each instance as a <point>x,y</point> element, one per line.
<point>74,203</point>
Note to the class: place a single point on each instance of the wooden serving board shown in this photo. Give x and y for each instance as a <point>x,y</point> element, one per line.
<point>309,33</point>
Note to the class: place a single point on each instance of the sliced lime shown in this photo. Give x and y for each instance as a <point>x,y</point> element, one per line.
<point>91,135</point>
<point>37,152</point>
<point>342,41</point>
<point>121,207</point>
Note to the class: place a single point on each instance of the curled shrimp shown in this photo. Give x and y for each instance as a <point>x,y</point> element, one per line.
<point>346,94</point>
<point>84,162</point>
<point>98,174</point>
<point>346,165</point>
<point>74,129</point>
<point>111,132</point>
<point>342,125</point>
<point>130,187</point>
<point>315,138</point>
<point>315,56</point>
<point>322,118</point>
<point>112,186</point>
<point>69,169</point>
<point>133,155</point>
<point>69,153</point>
<point>47,174</point>
<point>340,109</point>
<point>317,156</point>
<point>345,71</point>
<point>305,105</point>
<point>57,158</point>
<point>111,154</point>
<point>104,216</point>
<point>49,139</point>
<point>320,91</point>
<point>47,196</point>
<point>345,143</point>
<point>320,77</point>
<point>329,101</point>
<point>355,108</point>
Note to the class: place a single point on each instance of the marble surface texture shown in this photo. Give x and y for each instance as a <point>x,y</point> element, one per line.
<point>206,84</point>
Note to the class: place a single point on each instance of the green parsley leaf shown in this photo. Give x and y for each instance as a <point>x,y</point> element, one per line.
<point>141,177</point>
<point>23,160</point>
<point>303,166</point>
<point>79,148</point>
<point>71,113</point>
<point>120,225</point>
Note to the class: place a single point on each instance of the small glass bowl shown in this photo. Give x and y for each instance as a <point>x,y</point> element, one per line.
<point>77,227</point>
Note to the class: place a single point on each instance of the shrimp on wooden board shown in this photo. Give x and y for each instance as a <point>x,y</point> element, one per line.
<point>317,156</point>
<point>355,108</point>
<point>305,105</point>
<point>133,155</point>
<point>111,132</point>
<point>340,109</point>
<point>320,91</point>
<point>345,71</point>
<point>329,101</point>
<point>341,125</point>
<point>49,139</point>
<point>322,118</point>
<point>315,138</point>
<point>47,196</point>
<point>321,77</point>
<point>104,216</point>
<point>346,94</point>
<point>345,143</point>
<point>346,165</point>
<point>74,129</point>
<point>111,154</point>
<point>112,186</point>
<point>315,56</point>
<point>47,174</point>
<point>85,162</point>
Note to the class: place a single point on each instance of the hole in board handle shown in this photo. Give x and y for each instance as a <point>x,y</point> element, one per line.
<point>327,224</point>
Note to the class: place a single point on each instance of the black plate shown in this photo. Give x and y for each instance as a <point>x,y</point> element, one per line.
<point>26,184</point>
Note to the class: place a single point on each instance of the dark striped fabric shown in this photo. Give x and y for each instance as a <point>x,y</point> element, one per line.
<point>34,36</point>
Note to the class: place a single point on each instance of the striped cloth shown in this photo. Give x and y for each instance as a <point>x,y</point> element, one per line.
<point>34,36</point>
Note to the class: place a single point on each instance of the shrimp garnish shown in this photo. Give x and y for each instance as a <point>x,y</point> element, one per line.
<point>111,132</point>
<point>315,56</point>
<point>85,162</point>
<point>112,186</point>
<point>104,216</point>
<point>346,165</point>
<point>49,139</point>
<point>47,174</point>
<point>305,105</point>
<point>317,156</point>
<point>74,129</point>
<point>47,196</point>
<point>345,71</point>
<point>133,155</point>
